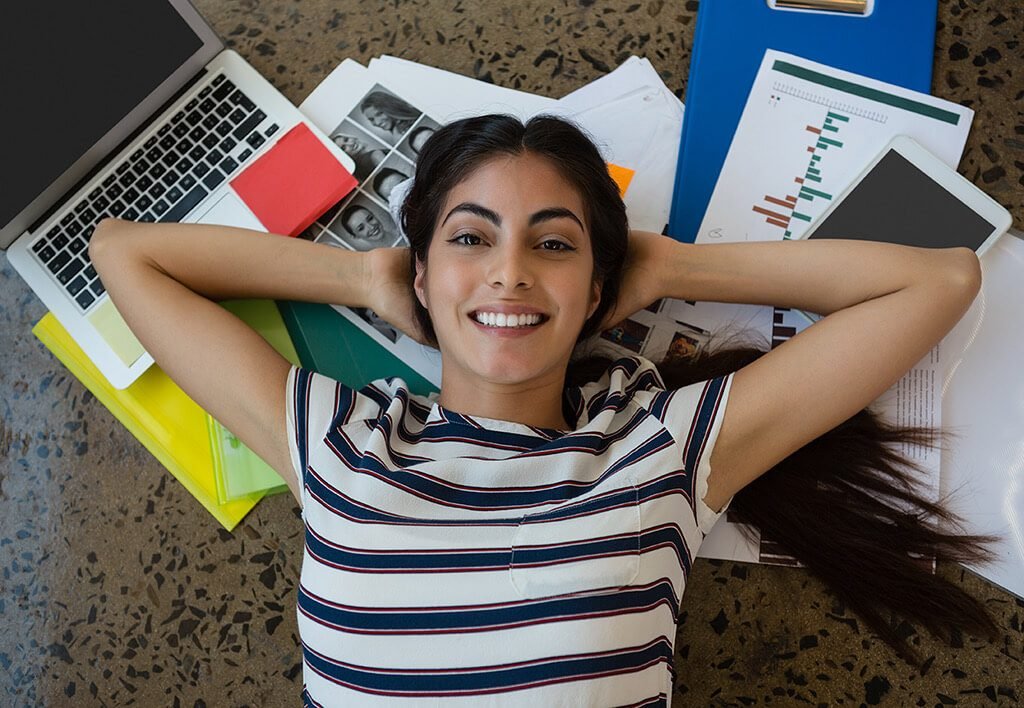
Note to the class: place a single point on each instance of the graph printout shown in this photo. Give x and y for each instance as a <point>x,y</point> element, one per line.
<point>806,132</point>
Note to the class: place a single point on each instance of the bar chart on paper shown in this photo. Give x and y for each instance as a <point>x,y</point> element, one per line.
<point>806,132</point>
<point>783,209</point>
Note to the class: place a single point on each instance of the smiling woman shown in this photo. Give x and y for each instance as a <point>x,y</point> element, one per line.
<point>511,241</point>
<point>525,536</point>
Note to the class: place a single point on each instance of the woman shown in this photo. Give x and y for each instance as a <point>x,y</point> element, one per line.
<point>365,156</point>
<point>365,230</point>
<point>390,115</point>
<point>525,536</point>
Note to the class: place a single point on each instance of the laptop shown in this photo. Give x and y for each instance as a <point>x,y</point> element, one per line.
<point>129,109</point>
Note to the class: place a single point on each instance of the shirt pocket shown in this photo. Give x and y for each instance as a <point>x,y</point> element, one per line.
<point>576,549</point>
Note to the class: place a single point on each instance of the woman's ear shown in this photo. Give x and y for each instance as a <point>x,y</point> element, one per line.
<point>595,299</point>
<point>419,282</point>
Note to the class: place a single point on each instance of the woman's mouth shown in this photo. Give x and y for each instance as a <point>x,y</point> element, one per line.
<point>501,320</point>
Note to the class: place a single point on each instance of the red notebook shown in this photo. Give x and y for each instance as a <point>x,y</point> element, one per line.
<point>293,183</point>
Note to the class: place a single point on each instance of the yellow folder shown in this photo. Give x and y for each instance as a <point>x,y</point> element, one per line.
<point>163,418</point>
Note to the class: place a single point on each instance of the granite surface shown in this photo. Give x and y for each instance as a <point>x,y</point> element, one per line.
<point>119,589</point>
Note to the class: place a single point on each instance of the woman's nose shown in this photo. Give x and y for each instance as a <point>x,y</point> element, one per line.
<point>509,268</point>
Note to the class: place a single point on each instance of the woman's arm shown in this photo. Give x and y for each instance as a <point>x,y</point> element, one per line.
<point>886,307</point>
<point>163,279</point>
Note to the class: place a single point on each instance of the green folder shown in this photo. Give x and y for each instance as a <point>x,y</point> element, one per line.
<point>239,472</point>
<point>331,344</point>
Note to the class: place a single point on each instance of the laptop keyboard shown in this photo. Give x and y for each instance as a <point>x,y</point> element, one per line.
<point>188,156</point>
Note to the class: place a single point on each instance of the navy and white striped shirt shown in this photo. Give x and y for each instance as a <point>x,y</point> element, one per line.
<point>486,562</point>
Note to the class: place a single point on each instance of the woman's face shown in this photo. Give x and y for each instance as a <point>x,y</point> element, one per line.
<point>379,117</point>
<point>353,146</point>
<point>362,223</point>
<point>512,238</point>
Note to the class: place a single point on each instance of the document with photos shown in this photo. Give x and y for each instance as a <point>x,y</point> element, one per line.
<point>383,133</point>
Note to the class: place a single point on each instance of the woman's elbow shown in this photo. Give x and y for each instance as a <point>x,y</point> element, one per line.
<point>103,243</point>
<point>956,278</point>
<point>965,271</point>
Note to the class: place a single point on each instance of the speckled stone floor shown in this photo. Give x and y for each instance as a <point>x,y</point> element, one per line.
<point>118,589</point>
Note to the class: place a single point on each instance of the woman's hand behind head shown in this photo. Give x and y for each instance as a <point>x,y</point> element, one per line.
<point>643,275</point>
<point>391,292</point>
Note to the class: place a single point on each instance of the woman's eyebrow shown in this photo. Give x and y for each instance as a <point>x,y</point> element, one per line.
<point>475,209</point>
<point>554,213</point>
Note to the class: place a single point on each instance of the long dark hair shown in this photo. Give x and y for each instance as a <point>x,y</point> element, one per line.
<point>847,505</point>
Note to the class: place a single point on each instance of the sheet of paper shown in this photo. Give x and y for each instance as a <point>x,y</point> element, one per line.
<point>807,130</point>
<point>447,96</point>
<point>636,122</point>
<point>382,132</point>
<point>983,405</point>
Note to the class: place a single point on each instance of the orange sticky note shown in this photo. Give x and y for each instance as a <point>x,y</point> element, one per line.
<point>622,176</point>
<point>293,183</point>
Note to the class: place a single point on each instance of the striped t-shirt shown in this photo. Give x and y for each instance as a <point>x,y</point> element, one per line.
<point>483,562</point>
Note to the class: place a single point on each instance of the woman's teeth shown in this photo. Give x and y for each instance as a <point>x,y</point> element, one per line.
<point>500,319</point>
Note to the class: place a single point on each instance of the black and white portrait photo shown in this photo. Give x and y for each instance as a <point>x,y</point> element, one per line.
<point>385,115</point>
<point>363,225</point>
<point>364,149</point>
<point>392,172</point>
<point>413,142</point>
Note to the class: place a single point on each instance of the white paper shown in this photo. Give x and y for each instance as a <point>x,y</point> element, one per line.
<point>447,96</point>
<point>775,157</point>
<point>636,122</point>
<point>983,405</point>
<point>362,220</point>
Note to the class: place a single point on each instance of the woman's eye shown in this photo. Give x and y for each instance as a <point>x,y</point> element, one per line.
<point>554,245</point>
<point>463,239</point>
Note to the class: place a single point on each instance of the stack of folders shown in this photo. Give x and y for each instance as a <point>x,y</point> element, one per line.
<point>225,477</point>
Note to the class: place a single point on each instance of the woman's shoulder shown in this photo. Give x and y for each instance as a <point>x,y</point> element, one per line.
<point>343,404</point>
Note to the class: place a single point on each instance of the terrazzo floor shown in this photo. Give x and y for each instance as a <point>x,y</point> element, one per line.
<point>119,589</point>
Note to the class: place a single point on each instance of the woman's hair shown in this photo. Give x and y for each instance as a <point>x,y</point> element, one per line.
<point>847,505</point>
<point>394,107</point>
<point>385,172</point>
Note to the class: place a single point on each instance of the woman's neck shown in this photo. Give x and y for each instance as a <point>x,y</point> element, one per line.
<point>538,404</point>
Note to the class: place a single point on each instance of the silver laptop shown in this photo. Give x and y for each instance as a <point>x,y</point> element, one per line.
<point>129,109</point>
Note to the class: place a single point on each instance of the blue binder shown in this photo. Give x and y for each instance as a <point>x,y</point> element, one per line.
<point>894,44</point>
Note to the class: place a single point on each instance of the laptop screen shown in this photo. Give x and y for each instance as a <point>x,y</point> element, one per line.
<point>72,71</point>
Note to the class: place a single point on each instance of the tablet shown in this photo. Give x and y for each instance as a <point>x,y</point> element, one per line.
<point>908,196</point>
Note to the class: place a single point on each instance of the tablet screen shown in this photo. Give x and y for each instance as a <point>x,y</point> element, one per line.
<point>898,203</point>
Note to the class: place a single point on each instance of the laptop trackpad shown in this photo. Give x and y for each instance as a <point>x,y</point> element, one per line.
<point>229,210</point>
<point>114,331</point>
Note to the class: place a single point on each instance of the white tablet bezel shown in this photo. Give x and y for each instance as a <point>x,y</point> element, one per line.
<point>942,174</point>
